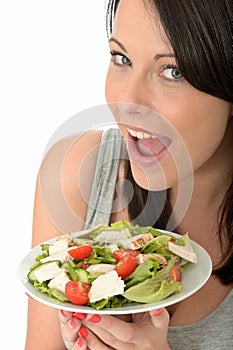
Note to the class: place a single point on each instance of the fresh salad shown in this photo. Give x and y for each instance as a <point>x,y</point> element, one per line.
<point>114,265</point>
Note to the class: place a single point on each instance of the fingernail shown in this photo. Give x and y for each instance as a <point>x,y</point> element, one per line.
<point>79,316</point>
<point>80,343</point>
<point>63,313</point>
<point>157,312</point>
<point>71,323</point>
<point>94,318</point>
<point>83,332</point>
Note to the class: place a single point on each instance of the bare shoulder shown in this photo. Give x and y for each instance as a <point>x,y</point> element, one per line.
<point>78,171</point>
<point>76,145</point>
<point>64,185</point>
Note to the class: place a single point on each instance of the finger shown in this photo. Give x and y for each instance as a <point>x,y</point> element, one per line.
<point>70,329</point>
<point>142,318</point>
<point>80,344</point>
<point>93,342</point>
<point>155,326</point>
<point>64,316</point>
<point>115,327</point>
<point>108,341</point>
<point>160,318</point>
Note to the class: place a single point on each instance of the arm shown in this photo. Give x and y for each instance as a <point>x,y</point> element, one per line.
<point>42,319</point>
<point>59,207</point>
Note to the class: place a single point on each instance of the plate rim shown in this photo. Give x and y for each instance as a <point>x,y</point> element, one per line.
<point>44,298</point>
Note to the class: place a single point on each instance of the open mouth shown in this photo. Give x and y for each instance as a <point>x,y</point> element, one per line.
<point>140,134</point>
<point>145,148</point>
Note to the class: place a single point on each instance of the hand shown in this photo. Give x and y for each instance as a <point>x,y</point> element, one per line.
<point>72,331</point>
<point>147,331</point>
<point>71,325</point>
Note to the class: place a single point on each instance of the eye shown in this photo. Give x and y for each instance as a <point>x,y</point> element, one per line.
<point>120,60</point>
<point>172,73</point>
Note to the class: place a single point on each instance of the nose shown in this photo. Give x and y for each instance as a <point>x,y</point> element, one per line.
<point>132,110</point>
<point>134,98</point>
<point>133,91</point>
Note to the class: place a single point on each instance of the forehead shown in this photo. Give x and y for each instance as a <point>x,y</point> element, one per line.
<point>138,24</point>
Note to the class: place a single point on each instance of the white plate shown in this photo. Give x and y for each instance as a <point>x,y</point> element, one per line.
<point>194,277</point>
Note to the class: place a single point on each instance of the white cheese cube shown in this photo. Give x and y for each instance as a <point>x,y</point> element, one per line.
<point>105,286</point>
<point>61,243</point>
<point>61,256</point>
<point>47,272</point>
<point>59,282</point>
<point>100,268</point>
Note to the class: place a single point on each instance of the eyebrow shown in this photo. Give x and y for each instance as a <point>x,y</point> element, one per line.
<point>162,55</point>
<point>112,39</point>
<point>156,57</point>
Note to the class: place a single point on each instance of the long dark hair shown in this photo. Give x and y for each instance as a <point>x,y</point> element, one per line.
<point>206,29</point>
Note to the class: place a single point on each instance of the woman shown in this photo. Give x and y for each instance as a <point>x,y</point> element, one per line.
<point>170,61</point>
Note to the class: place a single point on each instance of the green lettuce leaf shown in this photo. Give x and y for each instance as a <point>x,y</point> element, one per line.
<point>151,291</point>
<point>51,292</point>
<point>158,245</point>
<point>137,230</point>
<point>155,287</point>
<point>116,226</point>
<point>112,302</point>
<point>142,272</point>
<point>101,254</point>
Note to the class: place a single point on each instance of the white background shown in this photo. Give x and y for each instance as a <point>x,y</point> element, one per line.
<point>53,61</point>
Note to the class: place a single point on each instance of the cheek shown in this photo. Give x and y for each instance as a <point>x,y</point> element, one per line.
<point>110,88</point>
<point>205,132</point>
<point>203,145</point>
<point>107,87</point>
<point>201,121</point>
<point>115,85</point>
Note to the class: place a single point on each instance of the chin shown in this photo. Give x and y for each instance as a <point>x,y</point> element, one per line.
<point>152,180</point>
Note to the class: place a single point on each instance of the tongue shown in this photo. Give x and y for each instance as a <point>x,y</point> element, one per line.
<point>149,147</point>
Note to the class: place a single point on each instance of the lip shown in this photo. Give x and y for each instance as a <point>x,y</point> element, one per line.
<point>142,159</point>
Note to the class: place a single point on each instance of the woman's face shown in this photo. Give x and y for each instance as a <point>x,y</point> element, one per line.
<point>170,128</point>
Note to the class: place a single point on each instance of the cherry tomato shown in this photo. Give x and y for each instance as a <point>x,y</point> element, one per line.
<point>126,266</point>
<point>176,273</point>
<point>121,253</point>
<point>77,292</point>
<point>81,252</point>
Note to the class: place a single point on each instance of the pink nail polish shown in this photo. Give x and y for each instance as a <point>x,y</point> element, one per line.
<point>94,318</point>
<point>83,332</point>
<point>63,313</point>
<point>80,343</point>
<point>157,312</point>
<point>71,323</point>
<point>80,316</point>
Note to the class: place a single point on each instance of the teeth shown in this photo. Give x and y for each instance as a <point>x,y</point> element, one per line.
<point>140,134</point>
